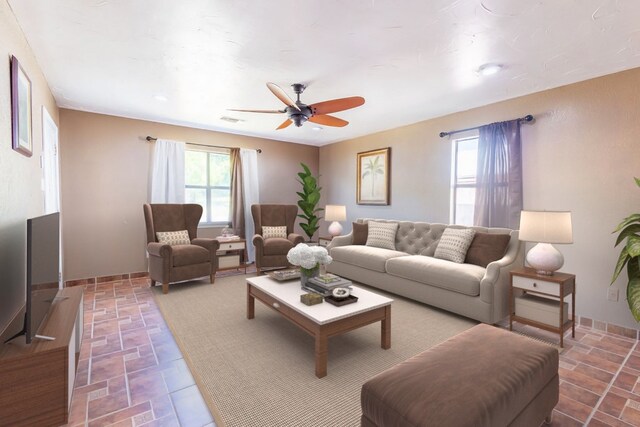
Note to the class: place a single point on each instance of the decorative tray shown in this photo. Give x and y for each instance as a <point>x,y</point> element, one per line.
<point>340,302</point>
<point>282,275</point>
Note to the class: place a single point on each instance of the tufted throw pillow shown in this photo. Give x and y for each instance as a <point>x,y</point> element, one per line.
<point>486,248</point>
<point>382,235</point>
<point>271,232</point>
<point>454,243</point>
<point>360,233</point>
<point>173,237</point>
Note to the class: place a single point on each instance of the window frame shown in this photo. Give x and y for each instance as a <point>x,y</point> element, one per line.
<point>208,188</point>
<point>456,182</point>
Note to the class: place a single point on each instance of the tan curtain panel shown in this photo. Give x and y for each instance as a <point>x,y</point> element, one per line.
<point>237,196</point>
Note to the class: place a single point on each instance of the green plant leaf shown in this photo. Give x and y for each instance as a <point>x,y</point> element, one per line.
<point>622,260</point>
<point>306,168</point>
<point>633,246</point>
<point>637,181</point>
<point>633,267</point>
<point>629,230</point>
<point>628,220</point>
<point>633,297</point>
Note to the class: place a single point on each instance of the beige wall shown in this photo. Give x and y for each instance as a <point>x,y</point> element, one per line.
<point>21,196</point>
<point>105,168</point>
<point>581,154</point>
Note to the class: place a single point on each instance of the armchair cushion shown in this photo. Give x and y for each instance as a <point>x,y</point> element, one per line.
<point>189,254</point>
<point>277,246</point>
<point>173,237</point>
<point>274,232</point>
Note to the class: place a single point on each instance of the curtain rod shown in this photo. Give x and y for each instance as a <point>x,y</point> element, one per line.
<point>526,118</point>
<point>153,138</point>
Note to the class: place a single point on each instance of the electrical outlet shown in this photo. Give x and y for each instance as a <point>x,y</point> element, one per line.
<point>612,294</point>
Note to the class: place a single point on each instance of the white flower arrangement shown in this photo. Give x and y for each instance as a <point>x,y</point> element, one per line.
<point>307,256</point>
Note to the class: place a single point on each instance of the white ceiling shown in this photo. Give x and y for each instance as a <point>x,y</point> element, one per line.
<point>410,59</point>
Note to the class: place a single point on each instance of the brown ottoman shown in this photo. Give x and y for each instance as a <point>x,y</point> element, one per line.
<point>484,376</point>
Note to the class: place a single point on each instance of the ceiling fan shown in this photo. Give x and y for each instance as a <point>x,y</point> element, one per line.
<point>299,113</point>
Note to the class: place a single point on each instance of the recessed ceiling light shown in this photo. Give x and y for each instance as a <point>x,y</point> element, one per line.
<point>316,128</point>
<point>161,98</point>
<point>489,69</point>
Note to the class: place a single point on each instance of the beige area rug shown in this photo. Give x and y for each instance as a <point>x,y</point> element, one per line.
<point>260,372</point>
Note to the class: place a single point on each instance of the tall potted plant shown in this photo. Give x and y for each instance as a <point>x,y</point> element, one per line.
<point>309,198</point>
<point>629,229</point>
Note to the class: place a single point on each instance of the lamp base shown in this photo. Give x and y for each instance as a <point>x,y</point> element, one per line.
<point>335,229</point>
<point>545,258</point>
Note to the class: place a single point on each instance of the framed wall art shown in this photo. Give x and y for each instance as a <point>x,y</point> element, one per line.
<point>373,177</point>
<point>21,127</point>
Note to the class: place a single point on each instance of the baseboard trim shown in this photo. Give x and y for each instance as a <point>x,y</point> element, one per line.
<point>612,328</point>
<point>105,279</point>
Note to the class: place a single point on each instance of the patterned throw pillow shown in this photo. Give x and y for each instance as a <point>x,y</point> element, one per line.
<point>382,235</point>
<point>173,237</point>
<point>271,232</point>
<point>454,244</point>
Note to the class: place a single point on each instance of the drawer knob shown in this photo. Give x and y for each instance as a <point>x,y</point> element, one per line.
<point>535,285</point>
<point>276,305</point>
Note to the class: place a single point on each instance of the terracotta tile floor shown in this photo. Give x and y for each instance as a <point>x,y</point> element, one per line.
<point>131,372</point>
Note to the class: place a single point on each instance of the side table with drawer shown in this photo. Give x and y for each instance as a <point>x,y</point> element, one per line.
<point>554,289</point>
<point>232,254</point>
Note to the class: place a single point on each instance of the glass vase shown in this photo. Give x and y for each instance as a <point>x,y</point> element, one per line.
<point>307,273</point>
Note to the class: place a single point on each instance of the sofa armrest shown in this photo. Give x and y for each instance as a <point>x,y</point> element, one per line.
<point>258,241</point>
<point>159,249</point>
<point>209,244</point>
<point>295,238</point>
<point>494,286</point>
<point>345,240</point>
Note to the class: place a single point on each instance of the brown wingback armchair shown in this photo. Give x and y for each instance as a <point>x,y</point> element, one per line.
<point>175,263</point>
<point>272,252</point>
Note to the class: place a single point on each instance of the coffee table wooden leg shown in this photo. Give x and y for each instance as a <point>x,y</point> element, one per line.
<point>322,350</point>
<point>385,329</point>
<point>251,303</point>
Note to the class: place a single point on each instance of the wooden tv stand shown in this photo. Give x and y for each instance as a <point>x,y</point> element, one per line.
<point>37,379</point>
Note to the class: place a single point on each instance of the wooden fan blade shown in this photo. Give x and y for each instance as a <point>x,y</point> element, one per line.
<point>256,111</point>
<point>284,124</point>
<point>336,105</point>
<point>282,95</point>
<point>323,119</point>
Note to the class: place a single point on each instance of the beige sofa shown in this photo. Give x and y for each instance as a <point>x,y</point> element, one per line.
<point>412,271</point>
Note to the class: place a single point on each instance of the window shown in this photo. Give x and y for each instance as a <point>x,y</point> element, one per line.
<point>208,183</point>
<point>463,194</point>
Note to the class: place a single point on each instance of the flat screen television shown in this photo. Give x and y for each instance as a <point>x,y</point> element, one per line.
<point>43,271</point>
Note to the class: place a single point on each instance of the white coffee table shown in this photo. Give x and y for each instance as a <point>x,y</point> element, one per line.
<point>321,321</point>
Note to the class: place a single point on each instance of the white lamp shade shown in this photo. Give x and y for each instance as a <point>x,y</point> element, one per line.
<point>335,213</point>
<point>546,227</point>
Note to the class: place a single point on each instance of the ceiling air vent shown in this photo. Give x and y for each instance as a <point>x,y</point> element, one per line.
<point>231,119</point>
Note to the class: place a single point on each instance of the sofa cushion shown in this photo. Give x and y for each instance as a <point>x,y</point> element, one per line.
<point>486,248</point>
<point>461,278</point>
<point>368,257</point>
<point>269,232</point>
<point>382,235</point>
<point>173,238</point>
<point>360,233</point>
<point>454,244</point>
<point>189,255</point>
<point>276,246</point>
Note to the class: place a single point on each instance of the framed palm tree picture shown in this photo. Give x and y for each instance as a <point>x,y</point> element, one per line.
<point>373,177</point>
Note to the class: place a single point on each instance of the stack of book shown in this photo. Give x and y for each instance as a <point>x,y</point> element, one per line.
<point>325,283</point>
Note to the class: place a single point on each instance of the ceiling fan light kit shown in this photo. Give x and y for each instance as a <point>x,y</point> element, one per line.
<point>298,113</point>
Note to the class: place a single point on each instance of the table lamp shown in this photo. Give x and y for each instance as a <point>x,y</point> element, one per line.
<point>335,213</point>
<point>545,228</point>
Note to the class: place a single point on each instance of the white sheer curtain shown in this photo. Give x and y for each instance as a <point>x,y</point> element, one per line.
<point>251,195</point>
<point>167,179</point>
